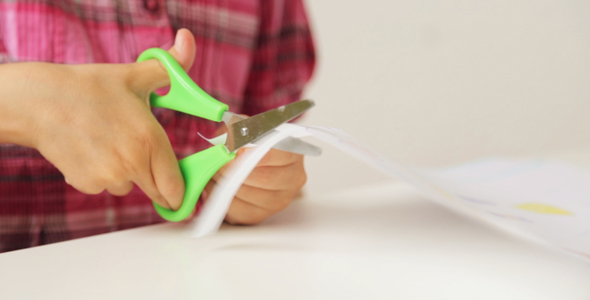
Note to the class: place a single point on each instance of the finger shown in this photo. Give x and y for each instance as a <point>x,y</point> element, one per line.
<point>87,184</point>
<point>291,177</point>
<point>223,170</point>
<point>274,158</point>
<point>151,74</point>
<point>120,189</point>
<point>89,189</point>
<point>87,180</point>
<point>146,183</point>
<point>166,172</point>
<point>204,196</point>
<point>243,213</point>
<point>270,200</point>
<point>280,158</point>
<point>143,178</point>
<point>207,190</point>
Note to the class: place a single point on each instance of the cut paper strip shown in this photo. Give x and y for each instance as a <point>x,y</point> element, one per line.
<point>216,140</point>
<point>503,183</point>
<point>216,206</point>
<point>543,209</point>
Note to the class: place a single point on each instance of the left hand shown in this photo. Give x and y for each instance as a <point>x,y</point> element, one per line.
<point>270,188</point>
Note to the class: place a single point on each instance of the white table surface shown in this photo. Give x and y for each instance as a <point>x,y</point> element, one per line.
<point>384,241</point>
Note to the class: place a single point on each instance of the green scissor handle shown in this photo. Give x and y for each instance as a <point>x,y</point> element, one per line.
<point>186,96</point>
<point>197,170</point>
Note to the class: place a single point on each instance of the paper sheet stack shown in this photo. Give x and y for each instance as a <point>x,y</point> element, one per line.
<point>547,201</point>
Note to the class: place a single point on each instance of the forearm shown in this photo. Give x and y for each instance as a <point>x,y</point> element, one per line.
<point>18,84</point>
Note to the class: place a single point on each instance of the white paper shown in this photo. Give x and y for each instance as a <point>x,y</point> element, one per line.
<point>216,206</point>
<point>545,201</point>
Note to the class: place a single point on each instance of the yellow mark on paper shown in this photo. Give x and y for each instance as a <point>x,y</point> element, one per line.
<point>443,192</point>
<point>543,209</point>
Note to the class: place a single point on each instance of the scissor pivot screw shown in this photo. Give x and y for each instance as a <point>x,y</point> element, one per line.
<point>244,131</point>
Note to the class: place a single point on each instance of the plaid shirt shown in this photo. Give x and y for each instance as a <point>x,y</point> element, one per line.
<point>253,55</point>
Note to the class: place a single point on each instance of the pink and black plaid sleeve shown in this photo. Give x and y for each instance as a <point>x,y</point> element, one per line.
<point>252,54</point>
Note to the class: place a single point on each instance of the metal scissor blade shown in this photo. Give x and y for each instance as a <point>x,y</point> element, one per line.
<point>290,144</point>
<point>246,131</point>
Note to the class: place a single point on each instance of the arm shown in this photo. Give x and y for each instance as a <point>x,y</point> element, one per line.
<point>93,122</point>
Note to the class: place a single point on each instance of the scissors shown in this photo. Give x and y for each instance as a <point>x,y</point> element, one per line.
<point>197,169</point>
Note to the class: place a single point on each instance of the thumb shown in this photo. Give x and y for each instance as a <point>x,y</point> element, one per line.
<point>151,74</point>
<point>184,48</point>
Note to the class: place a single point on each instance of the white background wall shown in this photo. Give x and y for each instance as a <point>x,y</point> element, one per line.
<point>434,83</point>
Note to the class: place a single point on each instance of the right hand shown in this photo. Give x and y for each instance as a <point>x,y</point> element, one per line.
<point>94,123</point>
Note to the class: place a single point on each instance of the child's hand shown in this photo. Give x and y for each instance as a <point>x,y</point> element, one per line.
<point>93,122</point>
<point>270,188</point>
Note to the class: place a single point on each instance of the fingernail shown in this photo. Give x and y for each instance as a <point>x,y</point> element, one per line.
<point>204,195</point>
<point>178,42</point>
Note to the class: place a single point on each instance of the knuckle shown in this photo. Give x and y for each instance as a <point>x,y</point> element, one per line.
<point>88,185</point>
<point>123,165</point>
<point>90,189</point>
<point>113,173</point>
<point>301,180</point>
<point>147,137</point>
<point>132,164</point>
<point>299,177</point>
<point>119,192</point>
